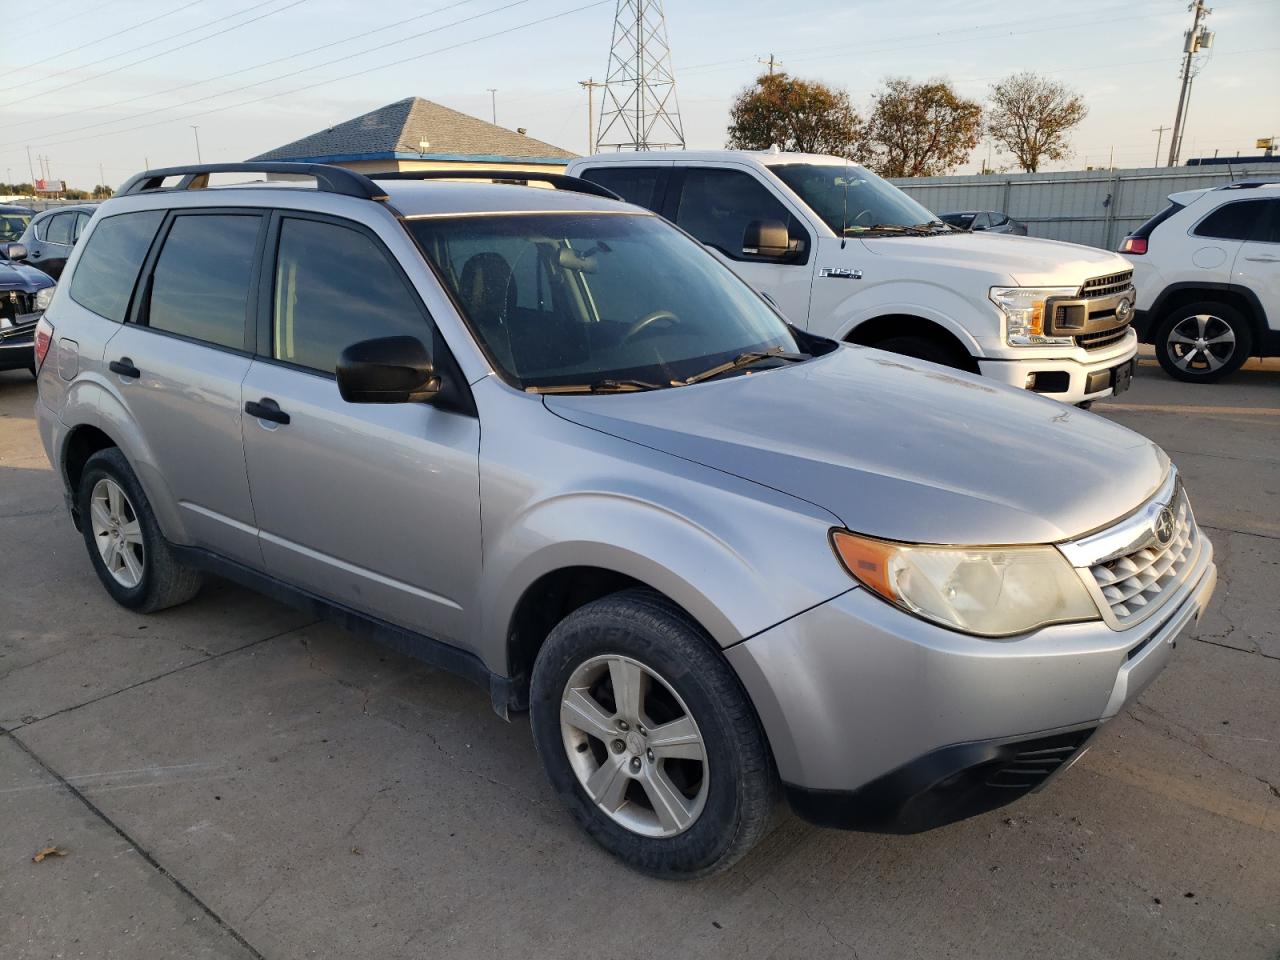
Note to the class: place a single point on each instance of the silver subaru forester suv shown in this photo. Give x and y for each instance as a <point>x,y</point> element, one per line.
<point>543,439</point>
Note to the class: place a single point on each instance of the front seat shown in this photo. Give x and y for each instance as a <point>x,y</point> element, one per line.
<point>487,289</point>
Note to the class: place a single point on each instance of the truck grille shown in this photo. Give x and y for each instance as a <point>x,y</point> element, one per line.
<point>1104,338</point>
<point>1135,584</point>
<point>16,303</point>
<point>1107,286</point>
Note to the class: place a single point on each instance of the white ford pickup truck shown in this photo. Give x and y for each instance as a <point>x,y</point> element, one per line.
<point>848,255</point>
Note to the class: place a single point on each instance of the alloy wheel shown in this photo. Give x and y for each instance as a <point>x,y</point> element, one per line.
<point>634,746</point>
<point>1201,343</point>
<point>117,532</point>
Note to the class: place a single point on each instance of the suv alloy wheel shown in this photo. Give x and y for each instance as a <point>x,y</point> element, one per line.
<point>1203,342</point>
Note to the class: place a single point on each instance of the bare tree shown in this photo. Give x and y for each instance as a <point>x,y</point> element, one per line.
<point>794,114</point>
<point>1032,117</point>
<point>921,129</point>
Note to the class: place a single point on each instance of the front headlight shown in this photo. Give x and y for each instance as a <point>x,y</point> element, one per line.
<point>43,297</point>
<point>1023,309</point>
<point>988,591</point>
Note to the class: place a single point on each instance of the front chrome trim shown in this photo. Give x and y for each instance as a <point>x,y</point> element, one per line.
<point>1132,533</point>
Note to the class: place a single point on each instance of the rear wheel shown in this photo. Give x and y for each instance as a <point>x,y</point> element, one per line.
<point>925,348</point>
<point>649,739</point>
<point>130,555</point>
<point>1203,342</point>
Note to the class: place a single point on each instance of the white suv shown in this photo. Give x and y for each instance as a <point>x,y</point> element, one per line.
<point>849,256</point>
<point>1207,268</point>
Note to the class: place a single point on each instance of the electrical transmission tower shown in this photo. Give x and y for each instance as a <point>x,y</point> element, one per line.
<point>639,110</point>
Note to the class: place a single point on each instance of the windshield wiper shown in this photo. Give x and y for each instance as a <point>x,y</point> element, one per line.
<point>741,361</point>
<point>915,230</point>
<point>597,386</point>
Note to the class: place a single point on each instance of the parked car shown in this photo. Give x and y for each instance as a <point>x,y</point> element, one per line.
<point>849,256</point>
<point>1208,268</point>
<point>991,221</point>
<point>719,556</point>
<point>24,294</point>
<point>13,221</point>
<point>51,236</point>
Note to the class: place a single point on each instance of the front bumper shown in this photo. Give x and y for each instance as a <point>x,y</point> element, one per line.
<point>880,721</point>
<point>1072,379</point>
<point>17,344</point>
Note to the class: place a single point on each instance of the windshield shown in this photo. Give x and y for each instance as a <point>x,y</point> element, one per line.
<point>561,299</point>
<point>852,199</point>
<point>12,225</point>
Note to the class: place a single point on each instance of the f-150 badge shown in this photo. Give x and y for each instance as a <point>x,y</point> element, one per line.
<point>840,273</point>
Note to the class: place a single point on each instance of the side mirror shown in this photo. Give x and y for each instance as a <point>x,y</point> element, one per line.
<point>15,251</point>
<point>387,370</point>
<point>768,238</point>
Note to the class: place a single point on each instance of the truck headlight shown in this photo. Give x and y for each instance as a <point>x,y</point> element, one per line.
<point>43,296</point>
<point>1024,309</point>
<point>987,591</point>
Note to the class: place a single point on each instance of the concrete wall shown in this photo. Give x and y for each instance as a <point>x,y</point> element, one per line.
<point>1093,207</point>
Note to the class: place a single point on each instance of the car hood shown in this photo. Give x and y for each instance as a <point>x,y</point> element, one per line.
<point>897,448</point>
<point>19,276</point>
<point>1028,261</point>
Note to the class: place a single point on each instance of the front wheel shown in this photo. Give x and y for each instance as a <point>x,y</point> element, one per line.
<point>646,734</point>
<point>1203,342</point>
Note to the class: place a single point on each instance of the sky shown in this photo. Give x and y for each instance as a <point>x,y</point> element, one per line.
<point>119,84</point>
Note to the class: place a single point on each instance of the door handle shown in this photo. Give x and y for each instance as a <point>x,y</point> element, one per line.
<point>1264,259</point>
<point>124,366</point>
<point>266,409</point>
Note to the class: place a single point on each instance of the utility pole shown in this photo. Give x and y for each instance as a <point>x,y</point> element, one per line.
<point>1197,38</point>
<point>640,110</point>
<point>102,178</point>
<point>31,170</point>
<point>590,85</point>
<point>1159,132</point>
<point>493,103</point>
<point>195,131</point>
<point>771,62</point>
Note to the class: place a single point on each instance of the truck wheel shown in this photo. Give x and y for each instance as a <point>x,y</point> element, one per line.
<point>131,556</point>
<point>1203,342</point>
<point>923,348</point>
<point>649,739</point>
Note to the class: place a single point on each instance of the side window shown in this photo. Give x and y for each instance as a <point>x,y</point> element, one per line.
<point>82,221</point>
<point>109,264</point>
<point>58,228</point>
<point>716,206</point>
<point>1268,230</point>
<point>644,186</point>
<point>334,287</point>
<point>1231,221</point>
<point>201,281</point>
<point>982,221</point>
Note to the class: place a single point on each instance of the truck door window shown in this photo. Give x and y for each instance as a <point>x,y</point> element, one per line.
<point>716,206</point>
<point>643,186</point>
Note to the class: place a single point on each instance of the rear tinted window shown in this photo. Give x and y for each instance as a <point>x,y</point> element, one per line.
<point>1232,221</point>
<point>644,186</point>
<point>962,220</point>
<point>200,285</point>
<point>108,267</point>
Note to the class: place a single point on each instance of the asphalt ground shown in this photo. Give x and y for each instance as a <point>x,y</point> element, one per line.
<point>232,779</point>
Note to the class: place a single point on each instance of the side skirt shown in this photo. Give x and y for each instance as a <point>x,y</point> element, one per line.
<point>502,692</point>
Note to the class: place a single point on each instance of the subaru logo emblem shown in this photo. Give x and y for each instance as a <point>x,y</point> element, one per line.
<point>1163,527</point>
<point>1123,309</point>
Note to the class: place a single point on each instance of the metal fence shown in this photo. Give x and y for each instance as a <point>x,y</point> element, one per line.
<point>1093,207</point>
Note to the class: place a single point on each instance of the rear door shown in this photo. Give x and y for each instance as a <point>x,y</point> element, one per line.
<point>1217,240</point>
<point>373,506</point>
<point>1257,263</point>
<point>178,365</point>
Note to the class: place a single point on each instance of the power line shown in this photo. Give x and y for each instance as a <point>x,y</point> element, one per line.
<point>349,76</point>
<point>293,73</point>
<point>220,76</point>
<point>162,53</point>
<point>96,40</point>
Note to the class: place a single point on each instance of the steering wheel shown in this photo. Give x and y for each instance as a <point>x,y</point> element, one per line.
<point>645,322</point>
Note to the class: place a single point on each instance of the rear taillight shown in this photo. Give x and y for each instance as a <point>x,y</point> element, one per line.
<point>44,339</point>
<point>1134,245</point>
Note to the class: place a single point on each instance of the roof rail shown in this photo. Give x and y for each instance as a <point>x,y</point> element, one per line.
<point>560,181</point>
<point>329,179</point>
<point>1249,184</point>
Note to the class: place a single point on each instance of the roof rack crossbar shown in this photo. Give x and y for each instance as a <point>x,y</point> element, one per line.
<point>559,181</point>
<point>329,179</point>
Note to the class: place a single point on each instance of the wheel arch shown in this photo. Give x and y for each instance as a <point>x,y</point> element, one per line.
<point>81,443</point>
<point>885,326</point>
<point>1178,295</point>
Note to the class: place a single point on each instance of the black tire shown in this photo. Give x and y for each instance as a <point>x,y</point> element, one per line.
<point>165,582</point>
<point>741,783</point>
<point>925,348</point>
<point>1187,362</point>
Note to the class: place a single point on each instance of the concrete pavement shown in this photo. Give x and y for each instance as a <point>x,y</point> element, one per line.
<point>230,779</point>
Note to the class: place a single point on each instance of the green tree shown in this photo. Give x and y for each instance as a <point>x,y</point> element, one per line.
<point>797,115</point>
<point>1032,118</point>
<point>921,129</point>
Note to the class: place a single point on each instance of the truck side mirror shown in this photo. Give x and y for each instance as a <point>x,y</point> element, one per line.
<point>15,251</point>
<point>769,238</point>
